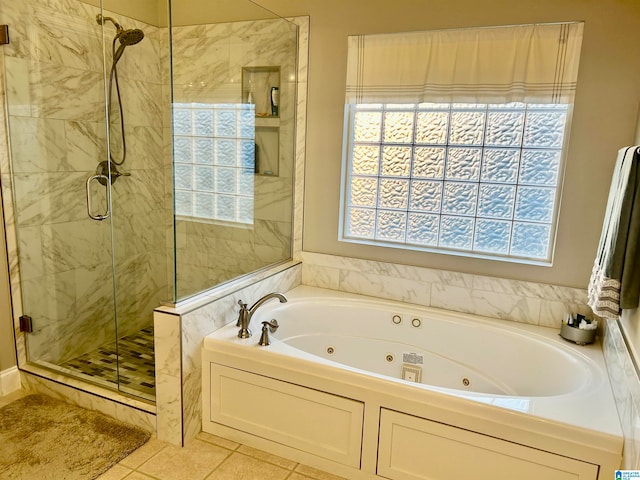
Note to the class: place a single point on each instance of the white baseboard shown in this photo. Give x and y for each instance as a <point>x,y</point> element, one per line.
<point>9,380</point>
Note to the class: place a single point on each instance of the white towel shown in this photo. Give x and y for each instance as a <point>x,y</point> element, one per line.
<point>615,280</point>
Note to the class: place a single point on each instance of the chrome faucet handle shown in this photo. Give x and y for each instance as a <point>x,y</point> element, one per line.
<point>267,327</point>
<point>243,313</point>
<point>273,325</point>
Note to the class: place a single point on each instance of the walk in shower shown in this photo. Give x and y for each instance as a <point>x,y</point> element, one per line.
<point>149,160</point>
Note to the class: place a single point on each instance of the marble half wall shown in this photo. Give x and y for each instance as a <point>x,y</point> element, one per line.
<point>625,384</point>
<point>515,300</point>
<point>178,344</point>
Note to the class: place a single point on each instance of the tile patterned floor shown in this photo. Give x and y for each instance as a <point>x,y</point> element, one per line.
<point>208,457</point>
<point>132,358</point>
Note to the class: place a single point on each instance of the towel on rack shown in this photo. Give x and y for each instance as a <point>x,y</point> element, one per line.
<point>615,279</point>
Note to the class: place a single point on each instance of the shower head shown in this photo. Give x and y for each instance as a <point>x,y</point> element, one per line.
<point>130,37</point>
<point>126,37</point>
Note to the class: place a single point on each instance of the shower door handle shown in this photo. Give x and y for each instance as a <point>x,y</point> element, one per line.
<point>105,182</point>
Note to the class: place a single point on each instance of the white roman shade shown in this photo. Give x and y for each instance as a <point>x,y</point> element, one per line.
<point>521,63</point>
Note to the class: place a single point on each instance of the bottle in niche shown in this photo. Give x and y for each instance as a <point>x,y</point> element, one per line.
<point>256,159</point>
<point>275,100</point>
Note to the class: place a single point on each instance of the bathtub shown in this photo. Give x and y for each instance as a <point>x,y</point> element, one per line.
<point>367,388</point>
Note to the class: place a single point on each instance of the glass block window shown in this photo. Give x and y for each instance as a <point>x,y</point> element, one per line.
<point>214,158</point>
<point>475,179</point>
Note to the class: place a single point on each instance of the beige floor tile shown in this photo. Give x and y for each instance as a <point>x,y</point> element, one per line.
<point>216,440</point>
<point>239,466</point>
<point>139,476</point>
<point>315,473</point>
<point>193,462</point>
<point>268,457</point>
<point>297,476</point>
<point>144,453</point>
<point>117,472</point>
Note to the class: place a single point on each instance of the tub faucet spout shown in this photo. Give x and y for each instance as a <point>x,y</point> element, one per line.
<point>245,314</point>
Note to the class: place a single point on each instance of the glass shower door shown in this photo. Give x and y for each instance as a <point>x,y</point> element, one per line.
<point>55,93</point>
<point>136,67</point>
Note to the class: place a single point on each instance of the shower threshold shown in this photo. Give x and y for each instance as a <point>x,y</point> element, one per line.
<point>127,366</point>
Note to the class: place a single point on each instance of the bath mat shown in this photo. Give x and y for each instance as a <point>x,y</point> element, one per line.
<point>43,438</point>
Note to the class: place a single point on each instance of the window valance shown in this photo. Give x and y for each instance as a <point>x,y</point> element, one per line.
<point>522,63</point>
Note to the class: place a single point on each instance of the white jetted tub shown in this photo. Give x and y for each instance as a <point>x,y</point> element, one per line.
<point>367,388</point>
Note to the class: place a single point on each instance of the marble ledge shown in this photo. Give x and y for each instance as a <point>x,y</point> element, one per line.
<point>182,307</point>
<point>399,289</point>
<point>374,268</point>
<point>197,324</point>
<point>477,283</point>
<point>488,304</point>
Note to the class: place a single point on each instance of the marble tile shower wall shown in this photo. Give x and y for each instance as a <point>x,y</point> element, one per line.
<point>527,302</point>
<point>626,391</point>
<point>55,93</point>
<point>207,68</point>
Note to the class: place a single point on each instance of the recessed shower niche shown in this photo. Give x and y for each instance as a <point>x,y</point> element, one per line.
<point>261,88</point>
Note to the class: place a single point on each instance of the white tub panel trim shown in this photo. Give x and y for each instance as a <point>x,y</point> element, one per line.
<point>328,425</point>
<point>410,447</point>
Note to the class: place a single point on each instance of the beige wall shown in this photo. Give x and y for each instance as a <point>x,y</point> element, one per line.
<point>148,11</point>
<point>185,12</point>
<point>604,118</point>
<point>196,12</point>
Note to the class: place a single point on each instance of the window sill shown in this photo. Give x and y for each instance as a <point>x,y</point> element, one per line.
<point>442,251</point>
